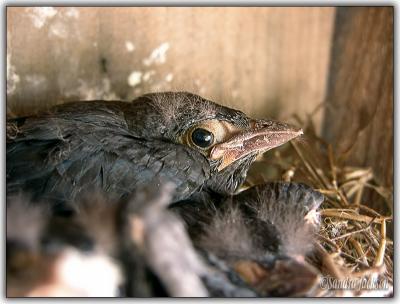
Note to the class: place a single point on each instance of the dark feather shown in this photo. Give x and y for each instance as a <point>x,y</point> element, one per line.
<point>62,155</point>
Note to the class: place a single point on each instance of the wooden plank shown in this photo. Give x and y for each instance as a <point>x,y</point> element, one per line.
<point>265,61</point>
<point>359,117</point>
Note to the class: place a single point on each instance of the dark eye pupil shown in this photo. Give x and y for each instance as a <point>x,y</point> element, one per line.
<point>202,138</point>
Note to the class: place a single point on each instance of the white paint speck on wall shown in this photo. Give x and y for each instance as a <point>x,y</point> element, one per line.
<point>169,77</point>
<point>36,80</point>
<point>148,75</point>
<point>135,78</point>
<point>59,29</point>
<point>158,55</point>
<point>130,47</point>
<point>72,12</point>
<point>93,91</point>
<point>40,15</point>
<point>12,77</point>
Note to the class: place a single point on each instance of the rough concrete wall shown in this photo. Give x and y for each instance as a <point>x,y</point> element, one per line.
<point>265,61</point>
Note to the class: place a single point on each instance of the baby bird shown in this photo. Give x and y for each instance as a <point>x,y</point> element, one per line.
<point>247,244</point>
<point>263,233</point>
<point>118,147</point>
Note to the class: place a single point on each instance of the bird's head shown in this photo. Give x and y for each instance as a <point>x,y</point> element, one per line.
<point>226,137</point>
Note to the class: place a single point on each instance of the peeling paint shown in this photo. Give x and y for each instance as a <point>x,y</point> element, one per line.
<point>40,15</point>
<point>148,75</point>
<point>36,80</point>
<point>169,77</point>
<point>65,25</point>
<point>72,12</point>
<point>130,47</point>
<point>158,55</point>
<point>157,88</point>
<point>12,77</point>
<point>59,30</point>
<point>62,24</point>
<point>87,91</point>
<point>134,78</point>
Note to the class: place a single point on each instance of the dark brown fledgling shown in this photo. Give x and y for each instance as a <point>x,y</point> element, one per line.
<point>118,147</point>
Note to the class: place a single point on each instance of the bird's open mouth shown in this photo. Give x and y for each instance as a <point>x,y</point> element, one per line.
<point>263,135</point>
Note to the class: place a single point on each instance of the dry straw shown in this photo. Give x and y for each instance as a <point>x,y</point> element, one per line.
<point>352,243</point>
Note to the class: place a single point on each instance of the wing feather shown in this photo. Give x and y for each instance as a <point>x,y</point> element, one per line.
<point>60,156</point>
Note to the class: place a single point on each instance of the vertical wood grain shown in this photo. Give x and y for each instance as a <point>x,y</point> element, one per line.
<point>359,117</point>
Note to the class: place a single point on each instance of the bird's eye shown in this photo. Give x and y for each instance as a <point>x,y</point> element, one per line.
<point>202,138</point>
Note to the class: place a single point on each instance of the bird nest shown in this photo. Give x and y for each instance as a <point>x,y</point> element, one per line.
<point>354,253</point>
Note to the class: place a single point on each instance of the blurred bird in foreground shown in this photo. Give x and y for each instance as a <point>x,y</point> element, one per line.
<point>109,248</point>
<point>254,245</point>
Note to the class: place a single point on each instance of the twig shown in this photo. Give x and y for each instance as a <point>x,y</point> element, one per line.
<point>360,251</point>
<point>365,208</point>
<point>382,246</point>
<point>343,197</point>
<point>333,166</point>
<point>307,164</point>
<point>360,218</point>
<point>326,240</point>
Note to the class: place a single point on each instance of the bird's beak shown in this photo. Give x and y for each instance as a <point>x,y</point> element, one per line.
<point>263,135</point>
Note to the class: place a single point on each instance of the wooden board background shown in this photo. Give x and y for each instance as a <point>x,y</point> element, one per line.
<point>265,61</point>
<point>359,114</point>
